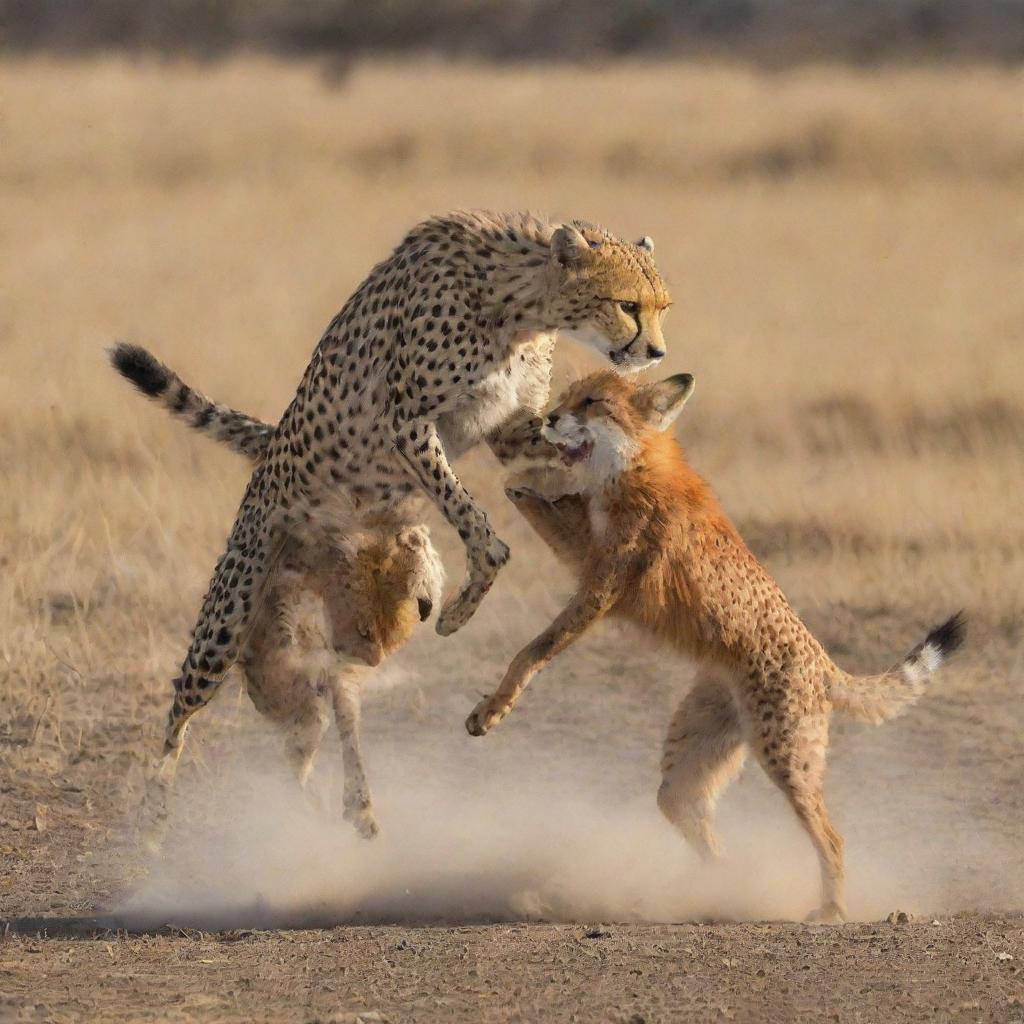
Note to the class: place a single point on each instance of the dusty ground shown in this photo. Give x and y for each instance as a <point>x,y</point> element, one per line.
<point>954,970</point>
<point>845,250</point>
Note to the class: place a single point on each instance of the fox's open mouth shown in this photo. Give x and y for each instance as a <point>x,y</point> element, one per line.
<point>571,454</point>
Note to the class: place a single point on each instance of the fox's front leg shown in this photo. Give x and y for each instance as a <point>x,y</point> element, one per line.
<point>420,446</point>
<point>561,520</point>
<point>584,610</point>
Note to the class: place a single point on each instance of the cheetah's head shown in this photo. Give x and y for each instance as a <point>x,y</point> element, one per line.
<point>609,294</point>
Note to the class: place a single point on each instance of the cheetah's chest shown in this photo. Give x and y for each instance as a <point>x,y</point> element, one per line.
<point>513,383</point>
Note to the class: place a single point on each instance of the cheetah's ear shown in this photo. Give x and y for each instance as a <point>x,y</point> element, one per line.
<point>570,249</point>
<point>646,243</point>
<point>661,403</point>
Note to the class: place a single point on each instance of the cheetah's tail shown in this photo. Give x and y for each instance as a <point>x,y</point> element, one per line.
<point>250,437</point>
<point>879,698</point>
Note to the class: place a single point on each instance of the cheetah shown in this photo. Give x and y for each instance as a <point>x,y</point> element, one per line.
<point>446,343</point>
<point>335,604</point>
<point>649,542</point>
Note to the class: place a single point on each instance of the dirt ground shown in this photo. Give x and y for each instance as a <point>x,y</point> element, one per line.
<point>956,969</point>
<point>845,250</point>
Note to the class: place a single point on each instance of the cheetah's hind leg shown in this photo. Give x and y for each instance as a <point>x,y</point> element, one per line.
<point>230,605</point>
<point>232,601</point>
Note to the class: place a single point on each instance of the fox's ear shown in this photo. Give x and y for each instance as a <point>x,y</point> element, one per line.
<point>661,403</point>
<point>570,249</point>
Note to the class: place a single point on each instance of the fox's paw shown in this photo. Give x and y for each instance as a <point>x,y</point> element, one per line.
<point>827,913</point>
<point>486,715</point>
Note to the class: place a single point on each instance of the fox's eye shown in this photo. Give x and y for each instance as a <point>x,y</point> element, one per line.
<point>630,308</point>
<point>588,402</point>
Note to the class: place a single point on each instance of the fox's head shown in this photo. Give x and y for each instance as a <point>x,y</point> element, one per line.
<point>389,583</point>
<point>604,422</point>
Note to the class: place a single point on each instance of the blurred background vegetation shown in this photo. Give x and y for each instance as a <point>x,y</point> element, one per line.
<point>766,31</point>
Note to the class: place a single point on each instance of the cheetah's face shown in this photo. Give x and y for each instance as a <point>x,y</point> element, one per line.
<point>610,295</point>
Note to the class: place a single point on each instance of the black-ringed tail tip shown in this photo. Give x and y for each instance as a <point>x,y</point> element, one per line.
<point>142,368</point>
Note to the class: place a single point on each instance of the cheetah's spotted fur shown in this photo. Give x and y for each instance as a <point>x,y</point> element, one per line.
<point>337,602</point>
<point>447,342</point>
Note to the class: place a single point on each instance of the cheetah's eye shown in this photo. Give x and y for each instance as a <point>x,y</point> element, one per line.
<point>630,308</point>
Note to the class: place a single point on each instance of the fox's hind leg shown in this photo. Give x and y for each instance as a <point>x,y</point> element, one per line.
<point>703,752</point>
<point>791,748</point>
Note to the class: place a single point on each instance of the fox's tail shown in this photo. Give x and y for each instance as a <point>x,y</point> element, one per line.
<point>244,434</point>
<point>879,698</point>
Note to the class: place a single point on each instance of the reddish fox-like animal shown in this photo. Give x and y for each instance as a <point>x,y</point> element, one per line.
<point>650,542</point>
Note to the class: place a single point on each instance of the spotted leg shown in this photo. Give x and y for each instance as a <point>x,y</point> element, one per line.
<point>420,446</point>
<point>231,601</point>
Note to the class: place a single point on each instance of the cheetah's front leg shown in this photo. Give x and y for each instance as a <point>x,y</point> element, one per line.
<point>420,446</point>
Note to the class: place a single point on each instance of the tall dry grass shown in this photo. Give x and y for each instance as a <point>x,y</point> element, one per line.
<point>845,251</point>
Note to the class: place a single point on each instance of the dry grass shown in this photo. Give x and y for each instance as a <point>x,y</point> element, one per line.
<point>845,251</point>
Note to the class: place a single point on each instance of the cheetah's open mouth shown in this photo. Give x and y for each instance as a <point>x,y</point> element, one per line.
<point>573,453</point>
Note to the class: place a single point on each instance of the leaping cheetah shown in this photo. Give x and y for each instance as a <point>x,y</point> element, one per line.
<point>447,342</point>
<point>335,603</point>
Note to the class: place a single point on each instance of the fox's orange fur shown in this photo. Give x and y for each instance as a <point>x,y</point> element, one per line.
<point>650,542</point>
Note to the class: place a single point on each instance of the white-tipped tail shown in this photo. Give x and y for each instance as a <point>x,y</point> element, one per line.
<point>879,698</point>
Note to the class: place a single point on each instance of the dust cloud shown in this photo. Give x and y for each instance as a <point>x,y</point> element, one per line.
<point>502,830</point>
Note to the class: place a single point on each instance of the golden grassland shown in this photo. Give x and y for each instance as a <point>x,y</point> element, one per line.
<point>845,249</point>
